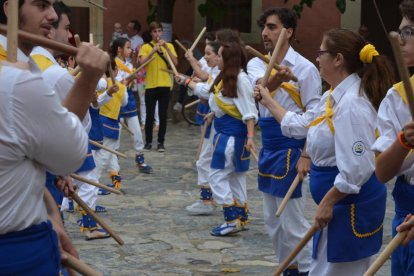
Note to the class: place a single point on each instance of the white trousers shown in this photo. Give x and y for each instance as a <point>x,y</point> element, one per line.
<point>226,184</point>
<point>287,230</point>
<point>204,161</point>
<point>321,266</point>
<point>142,108</point>
<point>86,192</point>
<point>133,125</point>
<point>105,160</point>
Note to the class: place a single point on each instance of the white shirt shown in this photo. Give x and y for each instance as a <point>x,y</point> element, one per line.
<point>37,135</point>
<point>349,148</point>
<point>309,82</point>
<point>123,74</point>
<point>60,81</point>
<point>202,89</point>
<point>393,114</point>
<point>104,97</point>
<point>244,101</point>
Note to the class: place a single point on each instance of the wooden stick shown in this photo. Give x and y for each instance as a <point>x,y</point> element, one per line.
<point>96,144</point>
<point>78,41</point>
<point>12,28</point>
<point>102,223</point>
<point>200,145</point>
<point>80,267</point>
<point>140,67</point>
<point>383,257</point>
<point>402,70</point>
<point>96,184</point>
<point>272,61</point>
<point>198,39</point>
<point>75,71</point>
<point>181,45</point>
<point>192,103</point>
<point>171,64</point>
<point>296,251</point>
<point>172,73</point>
<point>42,41</point>
<point>256,53</point>
<point>127,128</point>
<point>255,155</point>
<point>288,195</point>
<point>91,38</point>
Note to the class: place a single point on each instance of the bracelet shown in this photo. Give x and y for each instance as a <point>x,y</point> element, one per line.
<point>305,156</point>
<point>403,142</point>
<point>187,82</point>
<point>250,137</point>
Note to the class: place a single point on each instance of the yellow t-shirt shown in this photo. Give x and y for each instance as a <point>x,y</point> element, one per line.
<point>155,77</point>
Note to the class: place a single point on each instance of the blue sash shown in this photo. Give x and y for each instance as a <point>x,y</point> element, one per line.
<point>32,251</point>
<point>110,127</point>
<point>402,259</point>
<point>355,231</point>
<point>130,110</point>
<point>96,132</point>
<point>202,110</point>
<point>89,163</point>
<point>227,126</point>
<point>277,160</point>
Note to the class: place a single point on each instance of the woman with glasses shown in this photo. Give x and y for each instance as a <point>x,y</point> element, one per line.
<point>340,131</point>
<point>395,144</point>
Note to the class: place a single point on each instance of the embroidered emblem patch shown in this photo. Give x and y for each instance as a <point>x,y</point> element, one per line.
<point>358,148</point>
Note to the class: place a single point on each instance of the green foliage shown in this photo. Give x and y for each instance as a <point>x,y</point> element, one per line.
<point>152,12</point>
<point>214,8</point>
<point>340,4</point>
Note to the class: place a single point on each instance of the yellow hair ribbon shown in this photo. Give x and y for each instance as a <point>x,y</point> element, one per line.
<point>367,53</point>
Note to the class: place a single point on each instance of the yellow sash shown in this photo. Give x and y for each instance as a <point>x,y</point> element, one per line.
<point>42,61</point>
<point>3,54</point>
<point>291,89</point>
<point>327,116</point>
<point>121,66</point>
<point>112,108</point>
<point>401,91</point>
<point>229,109</point>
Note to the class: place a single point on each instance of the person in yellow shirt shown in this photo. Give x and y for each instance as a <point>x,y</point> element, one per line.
<point>158,83</point>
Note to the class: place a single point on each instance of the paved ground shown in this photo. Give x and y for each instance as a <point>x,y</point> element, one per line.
<point>160,238</point>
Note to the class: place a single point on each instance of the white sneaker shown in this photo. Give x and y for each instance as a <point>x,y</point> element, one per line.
<point>200,208</point>
<point>226,228</point>
<point>177,106</point>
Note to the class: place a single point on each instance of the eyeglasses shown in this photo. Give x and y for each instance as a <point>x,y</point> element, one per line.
<point>321,52</point>
<point>406,33</point>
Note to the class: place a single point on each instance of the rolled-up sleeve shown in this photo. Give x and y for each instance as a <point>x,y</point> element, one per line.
<point>245,101</point>
<point>202,90</point>
<point>255,70</point>
<point>48,132</point>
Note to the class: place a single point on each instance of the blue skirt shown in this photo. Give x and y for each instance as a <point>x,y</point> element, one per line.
<point>89,163</point>
<point>130,110</point>
<point>355,231</point>
<point>277,160</point>
<point>110,128</point>
<point>32,251</point>
<point>96,132</point>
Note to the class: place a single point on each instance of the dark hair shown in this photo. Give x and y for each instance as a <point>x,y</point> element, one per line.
<point>154,25</point>
<point>376,77</point>
<point>227,35</point>
<point>137,25</point>
<point>3,17</point>
<point>60,9</point>
<point>113,66</point>
<point>214,45</point>
<point>119,42</point>
<point>286,16</point>
<point>407,9</point>
<point>210,36</point>
<point>234,59</point>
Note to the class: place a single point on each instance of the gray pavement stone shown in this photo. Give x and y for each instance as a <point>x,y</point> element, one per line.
<point>161,238</point>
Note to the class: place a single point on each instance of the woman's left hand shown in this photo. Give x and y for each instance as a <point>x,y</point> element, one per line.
<point>250,146</point>
<point>324,214</point>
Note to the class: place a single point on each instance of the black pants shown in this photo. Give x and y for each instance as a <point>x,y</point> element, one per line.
<point>152,95</point>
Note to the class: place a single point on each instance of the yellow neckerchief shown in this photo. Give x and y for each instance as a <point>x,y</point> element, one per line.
<point>210,77</point>
<point>401,90</point>
<point>122,66</point>
<point>112,108</point>
<point>3,53</point>
<point>291,89</point>
<point>229,109</point>
<point>42,61</point>
<point>327,116</point>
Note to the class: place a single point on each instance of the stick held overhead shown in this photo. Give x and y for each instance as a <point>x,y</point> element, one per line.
<point>198,39</point>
